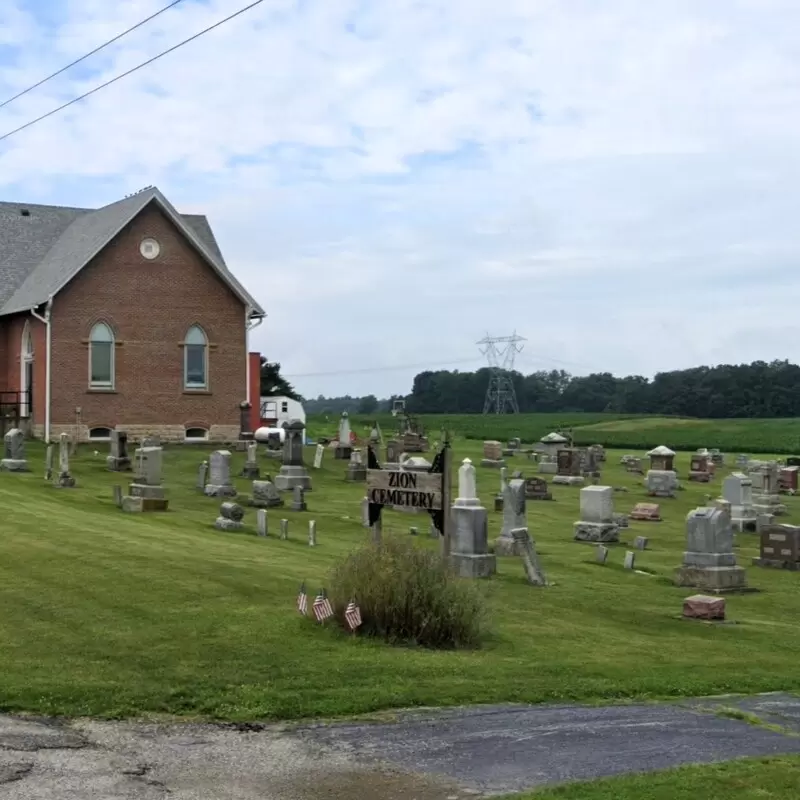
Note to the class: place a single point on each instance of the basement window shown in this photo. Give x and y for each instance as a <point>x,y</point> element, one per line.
<point>99,434</point>
<point>196,435</point>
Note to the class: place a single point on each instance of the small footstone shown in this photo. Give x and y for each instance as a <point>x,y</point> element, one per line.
<point>284,529</point>
<point>630,560</point>
<point>640,543</point>
<point>602,554</point>
<point>702,606</point>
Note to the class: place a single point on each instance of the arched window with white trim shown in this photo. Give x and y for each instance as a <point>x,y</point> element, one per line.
<point>26,371</point>
<point>101,357</point>
<point>195,359</point>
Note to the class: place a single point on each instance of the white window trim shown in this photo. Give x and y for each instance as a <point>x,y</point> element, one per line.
<point>186,345</point>
<point>195,439</point>
<point>103,384</point>
<point>98,438</point>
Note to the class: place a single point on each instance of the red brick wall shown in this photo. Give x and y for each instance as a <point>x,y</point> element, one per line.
<point>255,391</point>
<point>150,305</point>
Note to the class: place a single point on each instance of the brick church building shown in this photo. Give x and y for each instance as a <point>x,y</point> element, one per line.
<point>123,316</point>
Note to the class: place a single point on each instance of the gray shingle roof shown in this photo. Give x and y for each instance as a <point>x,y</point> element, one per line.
<point>42,252</point>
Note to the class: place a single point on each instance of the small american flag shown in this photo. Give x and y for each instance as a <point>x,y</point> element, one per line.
<point>302,601</point>
<point>352,615</point>
<point>322,607</point>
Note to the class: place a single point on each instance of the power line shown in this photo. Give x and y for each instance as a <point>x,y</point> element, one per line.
<point>88,55</point>
<point>381,369</point>
<point>130,71</point>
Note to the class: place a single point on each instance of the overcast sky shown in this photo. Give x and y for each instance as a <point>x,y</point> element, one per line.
<point>617,180</point>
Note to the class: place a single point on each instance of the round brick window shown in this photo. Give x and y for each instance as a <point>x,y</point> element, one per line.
<point>150,248</point>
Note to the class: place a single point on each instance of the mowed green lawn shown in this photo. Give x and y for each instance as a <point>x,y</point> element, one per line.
<point>109,614</point>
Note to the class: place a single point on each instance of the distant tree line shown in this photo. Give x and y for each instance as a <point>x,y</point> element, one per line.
<point>759,389</point>
<point>369,404</point>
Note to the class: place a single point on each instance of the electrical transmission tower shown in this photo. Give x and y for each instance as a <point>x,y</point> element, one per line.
<point>500,352</point>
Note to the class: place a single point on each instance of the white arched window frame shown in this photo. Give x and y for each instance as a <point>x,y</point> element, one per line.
<point>26,371</point>
<point>101,357</point>
<point>195,359</point>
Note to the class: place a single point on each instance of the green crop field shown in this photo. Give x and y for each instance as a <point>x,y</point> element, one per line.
<point>110,614</point>
<point>612,430</point>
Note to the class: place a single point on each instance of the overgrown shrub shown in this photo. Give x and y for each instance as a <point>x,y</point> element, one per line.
<point>406,595</point>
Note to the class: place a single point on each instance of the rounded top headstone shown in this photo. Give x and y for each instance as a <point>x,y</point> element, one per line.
<point>294,425</point>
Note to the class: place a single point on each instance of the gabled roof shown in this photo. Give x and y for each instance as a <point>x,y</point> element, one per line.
<point>42,252</point>
<point>553,438</point>
<point>661,450</point>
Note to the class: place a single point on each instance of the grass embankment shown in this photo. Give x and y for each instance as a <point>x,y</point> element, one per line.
<point>111,614</point>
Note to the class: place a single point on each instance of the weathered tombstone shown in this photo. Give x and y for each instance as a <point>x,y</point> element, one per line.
<point>14,456</point>
<point>630,560</point>
<point>251,470</point>
<point>766,499</point>
<point>780,547</point>
<point>365,513</point>
<point>202,475</point>
<point>219,478</point>
<point>552,443</point>
<point>737,489</point>
<point>117,495</point>
<point>597,516</point>
<point>64,479</point>
<point>118,459</point>
<point>299,499</point>
<point>318,454</point>
<point>646,512</point>
<point>661,483</point>
<point>709,562</point>
<point>344,446</point>
<point>469,554</point>
<point>530,560</point>
<point>701,606</point>
<point>48,463</point>
<point>245,429</point>
<point>492,454</point>
<point>356,468</point>
<point>536,489</point>
<point>284,529</point>
<point>787,480</point>
<point>700,469</point>
<point>151,440</point>
<point>640,542</point>
<point>146,493</point>
<point>514,516</point>
<point>499,497</point>
<point>265,495</point>
<point>262,522</point>
<point>312,533</point>
<point>393,450</point>
<point>634,465</point>
<point>662,459</point>
<point>230,517</point>
<point>293,472</point>
<point>602,554</point>
<point>569,467</point>
<point>763,521</point>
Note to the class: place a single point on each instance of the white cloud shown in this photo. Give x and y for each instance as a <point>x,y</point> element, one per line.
<point>618,181</point>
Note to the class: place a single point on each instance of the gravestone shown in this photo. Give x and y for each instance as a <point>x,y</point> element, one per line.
<point>766,499</point>
<point>64,480</point>
<point>742,460</point>
<point>640,542</point>
<point>569,467</point>
<point>262,522</point>
<point>787,480</point>
<point>265,494</point>
<point>299,499</point>
<point>634,465</point>
<point>14,452</point>
<point>524,546</point>
<point>312,533</point>
<point>552,443</point>
<point>780,547</point>
<point>536,489</point>
<point>492,454</point>
<point>599,453</point>
<point>602,554</point>
<point>662,459</point>
<point>701,606</point>
<point>356,468</point>
<point>547,464</point>
<point>117,490</point>
<point>717,458</point>
<point>709,563</point>
<point>202,475</point>
<point>514,516</point>
<point>597,516</point>
<point>293,472</point>
<point>393,450</point>
<point>344,445</point>
<point>48,463</point>
<point>699,469</point>
<point>469,554</point>
<point>365,513</point>
<point>499,497</point>
<point>646,512</point>
<point>737,489</point>
<point>219,475</point>
<point>151,440</point>
<point>630,560</point>
<point>251,470</point>
<point>661,483</point>
<point>146,493</point>
<point>230,517</point>
<point>284,529</point>
<point>118,459</point>
<point>318,455</point>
